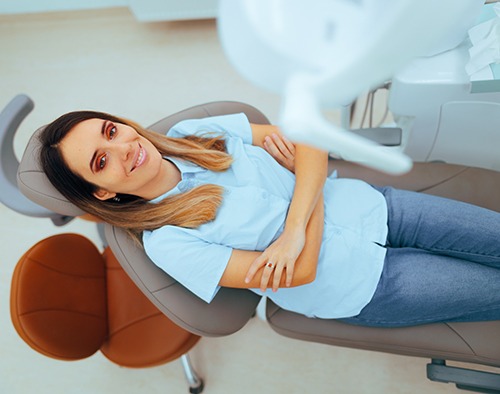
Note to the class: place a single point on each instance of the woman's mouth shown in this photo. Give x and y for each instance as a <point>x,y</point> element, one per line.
<point>141,156</point>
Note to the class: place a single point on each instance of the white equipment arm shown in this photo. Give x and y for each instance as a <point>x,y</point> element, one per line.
<point>324,53</point>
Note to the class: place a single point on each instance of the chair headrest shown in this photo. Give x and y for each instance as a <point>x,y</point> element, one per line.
<point>35,185</point>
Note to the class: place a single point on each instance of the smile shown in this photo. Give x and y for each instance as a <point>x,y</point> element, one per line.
<point>140,158</point>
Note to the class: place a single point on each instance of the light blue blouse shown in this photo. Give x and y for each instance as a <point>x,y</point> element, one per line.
<point>257,194</point>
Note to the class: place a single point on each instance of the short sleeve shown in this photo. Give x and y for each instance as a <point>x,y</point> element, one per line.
<point>233,125</point>
<point>196,264</point>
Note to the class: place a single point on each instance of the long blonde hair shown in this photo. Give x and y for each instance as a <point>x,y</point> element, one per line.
<point>134,214</point>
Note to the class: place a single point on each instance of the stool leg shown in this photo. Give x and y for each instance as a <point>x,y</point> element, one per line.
<point>196,384</point>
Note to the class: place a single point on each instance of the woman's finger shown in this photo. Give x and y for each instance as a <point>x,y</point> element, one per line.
<point>254,267</point>
<point>280,145</point>
<point>289,274</point>
<point>278,272</point>
<point>266,274</point>
<point>273,149</point>
<point>285,145</point>
<point>290,145</point>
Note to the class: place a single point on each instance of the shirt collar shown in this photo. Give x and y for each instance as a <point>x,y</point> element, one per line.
<point>185,166</point>
<point>187,170</point>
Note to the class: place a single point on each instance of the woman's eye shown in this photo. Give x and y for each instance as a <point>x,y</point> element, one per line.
<point>112,132</point>
<point>101,163</point>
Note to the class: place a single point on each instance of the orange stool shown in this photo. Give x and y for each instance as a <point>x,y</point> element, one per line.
<point>68,301</point>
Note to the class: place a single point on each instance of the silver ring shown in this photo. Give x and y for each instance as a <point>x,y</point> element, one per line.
<point>270,264</point>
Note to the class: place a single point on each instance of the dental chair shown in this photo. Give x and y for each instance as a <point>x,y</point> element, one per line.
<point>68,301</point>
<point>472,343</point>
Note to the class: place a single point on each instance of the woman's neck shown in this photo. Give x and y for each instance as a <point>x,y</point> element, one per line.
<point>168,177</point>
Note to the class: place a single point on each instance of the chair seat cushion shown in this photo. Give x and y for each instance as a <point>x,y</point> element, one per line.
<point>476,342</point>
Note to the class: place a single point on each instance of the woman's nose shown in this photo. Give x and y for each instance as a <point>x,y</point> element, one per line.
<point>124,150</point>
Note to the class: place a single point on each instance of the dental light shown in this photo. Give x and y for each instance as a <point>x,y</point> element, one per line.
<point>320,54</point>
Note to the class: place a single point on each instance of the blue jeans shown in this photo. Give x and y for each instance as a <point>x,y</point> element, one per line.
<point>442,263</point>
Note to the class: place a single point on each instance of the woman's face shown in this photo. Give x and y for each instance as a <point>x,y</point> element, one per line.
<point>114,157</point>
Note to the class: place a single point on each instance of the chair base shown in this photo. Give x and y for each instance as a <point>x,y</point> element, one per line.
<point>465,379</point>
<point>196,384</point>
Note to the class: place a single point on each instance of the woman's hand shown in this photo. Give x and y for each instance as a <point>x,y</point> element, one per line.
<point>280,256</point>
<point>283,151</point>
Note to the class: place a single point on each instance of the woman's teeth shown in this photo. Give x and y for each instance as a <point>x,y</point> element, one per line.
<point>140,158</point>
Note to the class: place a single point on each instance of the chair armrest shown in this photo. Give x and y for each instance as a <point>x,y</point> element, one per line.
<point>10,119</point>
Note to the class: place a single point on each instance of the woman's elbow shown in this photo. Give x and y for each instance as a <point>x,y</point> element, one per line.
<point>304,277</point>
<point>310,277</point>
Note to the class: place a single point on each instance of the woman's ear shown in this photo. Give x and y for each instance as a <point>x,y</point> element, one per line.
<point>102,194</point>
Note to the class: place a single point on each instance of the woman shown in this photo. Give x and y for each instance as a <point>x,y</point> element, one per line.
<point>215,209</point>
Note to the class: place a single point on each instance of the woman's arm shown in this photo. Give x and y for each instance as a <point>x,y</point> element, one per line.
<point>310,174</point>
<point>242,261</point>
<point>310,166</point>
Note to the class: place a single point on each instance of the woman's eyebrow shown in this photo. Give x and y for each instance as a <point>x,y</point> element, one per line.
<point>92,160</point>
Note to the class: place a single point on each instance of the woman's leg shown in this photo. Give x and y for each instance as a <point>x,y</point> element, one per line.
<point>419,287</point>
<point>443,226</point>
<point>431,272</point>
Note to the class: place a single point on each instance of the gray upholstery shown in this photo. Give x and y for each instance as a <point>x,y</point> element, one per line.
<point>35,185</point>
<point>231,309</point>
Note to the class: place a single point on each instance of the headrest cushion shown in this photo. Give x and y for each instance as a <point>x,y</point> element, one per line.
<point>35,185</point>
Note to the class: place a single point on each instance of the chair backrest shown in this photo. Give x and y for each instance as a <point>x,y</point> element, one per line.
<point>68,301</point>
<point>57,308</point>
<point>231,308</point>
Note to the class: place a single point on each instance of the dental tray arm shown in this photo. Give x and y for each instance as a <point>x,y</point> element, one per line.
<point>324,53</point>
<point>302,120</point>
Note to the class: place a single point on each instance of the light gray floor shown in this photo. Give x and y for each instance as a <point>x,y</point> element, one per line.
<point>107,61</point>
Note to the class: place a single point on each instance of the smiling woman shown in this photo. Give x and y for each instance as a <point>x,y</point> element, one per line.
<point>111,167</point>
<point>372,256</point>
